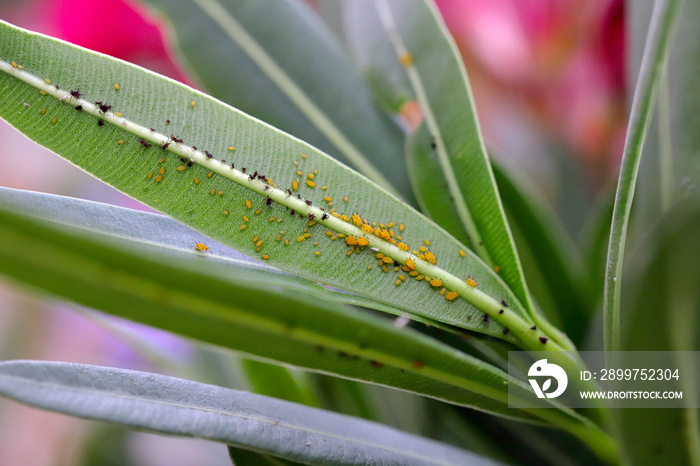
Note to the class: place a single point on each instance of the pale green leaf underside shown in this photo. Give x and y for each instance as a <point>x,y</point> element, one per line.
<point>166,405</point>
<point>149,100</point>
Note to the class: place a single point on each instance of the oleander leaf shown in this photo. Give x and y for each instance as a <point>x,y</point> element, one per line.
<point>166,405</point>
<point>138,150</point>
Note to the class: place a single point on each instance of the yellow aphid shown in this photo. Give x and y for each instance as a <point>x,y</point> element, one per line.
<point>231,148</point>
<point>53,120</point>
<point>427,243</point>
<point>315,172</point>
<point>381,225</point>
<point>196,180</point>
<point>318,253</point>
<point>295,185</point>
<point>356,219</point>
<point>286,242</point>
<point>402,277</point>
<point>346,199</point>
<point>248,204</point>
<point>225,212</point>
<point>300,173</point>
<point>327,198</point>
<point>496,269</point>
<point>369,267</point>
<point>213,191</point>
<point>258,244</point>
<point>385,234</point>
<point>192,104</point>
<point>265,256</point>
<point>344,218</point>
<point>181,167</point>
<point>391,224</point>
<point>422,249</point>
<point>160,160</point>
<point>442,291</point>
<point>243,227</point>
<point>14,64</point>
<point>403,246</point>
<point>362,241</point>
<point>430,257</point>
<point>351,240</point>
<point>311,183</point>
<point>150,175</point>
<point>158,178</point>
<point>435,282</point>
<point>379,255</point>
<point>420,277</point>
<point>349,252</point>
<point>397,282</point>
<point>471,283</point>
<point>384,269</point>
<point>246,219</point>
<point>43,111</point>
<point>387,260</point>
<point>401,227</point>
<point>47,80</point>
<point>462,253</point>
<point>121,141</point>
<point>278,238</point>
<point>201,247</point>
<point>311,176</point>
<point>324,187</point>
<point>303,155</point>
<point>255,238</point>
<point>162,170</point>
<point>210,174</point>
<point>366,228</point>
<point>329,233</point>
<point>411,265</point>
<point>451,295</point>
<point>315,243</point>
<point>300,239</point>
<point>413,273</point>
<point>406,60</point>
<point>43,93</point>
<point>116,86</point>
<point>257,212</point>
<point>119,114</point>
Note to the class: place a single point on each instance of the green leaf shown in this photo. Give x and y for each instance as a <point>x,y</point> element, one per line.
<point>188,293</point>
<point>655,54</point>
<point>661,314</point>
<point>241,457</point>
<point>163,231</point>
<point>218,205</point>
<point>167,405</point>
<point>449,167</point>
<point>310,90</point>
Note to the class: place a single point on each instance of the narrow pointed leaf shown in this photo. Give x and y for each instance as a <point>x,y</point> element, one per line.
<point>137,149</point>
<point>171,406</point>
<point>311,90</point>
<point>438,79</point>
<point>185,293</point>
<point>655,54</point>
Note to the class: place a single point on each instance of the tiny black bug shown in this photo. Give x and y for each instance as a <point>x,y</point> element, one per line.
<point>104,108</point>
<point>243,169</point>
<point>543,340</point>
<point>324,216</point>
<point>79,108</point>
<point>144,143</point>
<point>486,318</point>
<point>311,216</point>
<point>506,330</point>
<point>291,212</point>
<point>165,145</point>
<point>307,202</point>
<point>76,93</point>
<point>100,122</point>
<point>206,152</point>
<point>233,166</point>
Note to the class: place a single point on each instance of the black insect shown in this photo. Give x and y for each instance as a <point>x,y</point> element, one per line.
<point>311,216</point>
<point>206,152</point>
<point>251,177</point>
<point>485,318</point>
<point>194,147</point>
<point>172,136</point>
<point>183,160</point>
<point>289,192</point>
<point>76,93</point>
<point>501,311</point>
<point>396,263</point>
<point>104,108</point>
<point>243,169</point>
<point>543,340</point>
<point>165,145</point>
<point>268,201</point>
<point>79,108</point>
<point>262,177</point>
<point>255,174</point>
<point>100,122</point>
<point>299,196</point>
<point>189,164</point>
<point>291,212</point>
<point>505,304</point>
<point>144,143</point>
<point>223,161</point>
<point>167,122</point>
<point>506,330</point>
<point>233,166</point>
<point>433,144</point>
<point>307,202</point>
<point>324,216</point>
<point>534,327</point>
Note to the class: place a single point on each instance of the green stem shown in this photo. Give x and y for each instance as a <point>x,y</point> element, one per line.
<point>655,55</point>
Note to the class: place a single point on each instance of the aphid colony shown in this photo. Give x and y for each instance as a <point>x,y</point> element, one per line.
<point>369,235</point>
